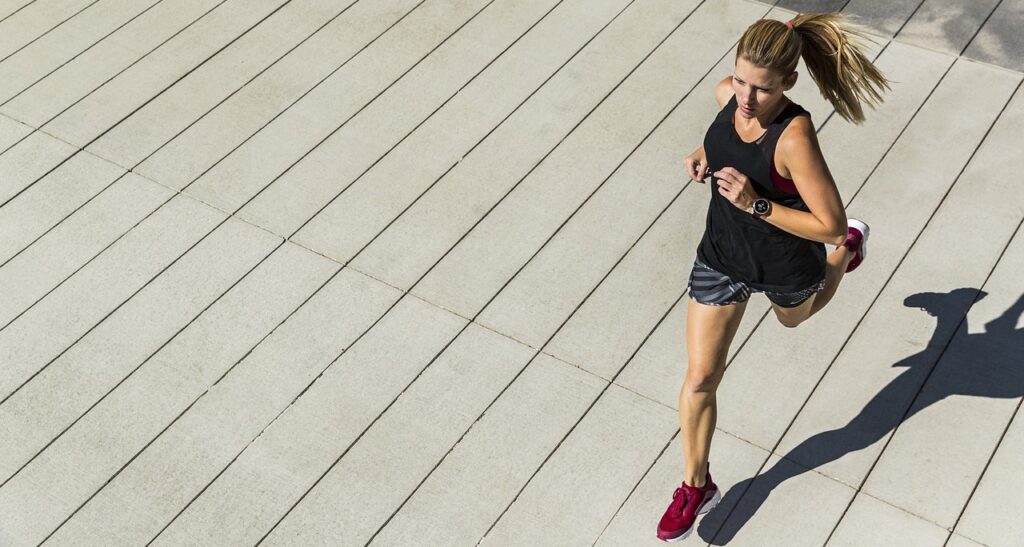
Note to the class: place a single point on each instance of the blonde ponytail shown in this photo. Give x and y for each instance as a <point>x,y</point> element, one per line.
<point>832,51</point>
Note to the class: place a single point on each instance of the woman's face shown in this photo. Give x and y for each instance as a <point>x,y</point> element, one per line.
<point>758,90</point>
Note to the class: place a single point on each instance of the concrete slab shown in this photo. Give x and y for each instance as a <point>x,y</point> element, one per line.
<point>317,62</point>
<point>48,200</point>
<point>58,482</point>
<point>11,133</point>
<point>229,70</point>
<point>946,25</point>
<point>133,88</point>
<point>999,41</point>
<point>400,450</point>
<point>44,332</point>
<point>600,461</point>
<point>991,513</point>
<point>884,17</point>
<point>64,43</point>
<point>467,492</point>
<point>99,64</point>
<point>292,199</point>
<point>292,454</point>
<point>42,16</point>
<point>12,7</point>
<point>976,386</point>
<point>286,141</point>
<point>492,132</point>
<point>28,161</point>
<point>175,468</point>
<point>59,253</point>
<point>872,522</point>
<point>94,366</point>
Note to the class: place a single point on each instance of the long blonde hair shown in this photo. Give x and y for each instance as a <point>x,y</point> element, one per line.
<point>832,52</point>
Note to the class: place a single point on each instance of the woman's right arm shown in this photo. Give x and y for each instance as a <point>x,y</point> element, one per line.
<point>697,162</point>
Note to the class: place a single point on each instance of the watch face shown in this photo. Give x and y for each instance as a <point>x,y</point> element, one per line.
<point>761,206</point>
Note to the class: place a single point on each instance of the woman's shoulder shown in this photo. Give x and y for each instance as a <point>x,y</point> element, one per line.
<point>724,92</point>
<point>799,130</point>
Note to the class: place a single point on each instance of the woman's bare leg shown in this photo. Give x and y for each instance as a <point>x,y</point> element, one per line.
<point>709,331</point>
<point>835,269</point>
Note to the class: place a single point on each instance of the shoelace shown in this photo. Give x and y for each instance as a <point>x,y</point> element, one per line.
<point>680,492</point>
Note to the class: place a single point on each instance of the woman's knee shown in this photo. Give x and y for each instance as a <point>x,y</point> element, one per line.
<point>790,322</point>
<point>703,380</point>
<point>791,317</point>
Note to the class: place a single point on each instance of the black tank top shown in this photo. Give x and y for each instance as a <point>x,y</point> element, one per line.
<point>745,248</point>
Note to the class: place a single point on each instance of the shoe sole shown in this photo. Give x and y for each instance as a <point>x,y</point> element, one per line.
<point>707,507</point>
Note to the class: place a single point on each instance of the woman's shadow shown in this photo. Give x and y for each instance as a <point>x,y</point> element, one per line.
<point>986,365</point>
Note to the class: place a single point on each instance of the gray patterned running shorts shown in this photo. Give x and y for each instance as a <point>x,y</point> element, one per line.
<point>712,288</point>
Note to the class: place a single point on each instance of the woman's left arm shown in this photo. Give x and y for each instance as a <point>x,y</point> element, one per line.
<point>801,155</point>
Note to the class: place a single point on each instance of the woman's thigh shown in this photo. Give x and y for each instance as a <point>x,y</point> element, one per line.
<point>709,332</point>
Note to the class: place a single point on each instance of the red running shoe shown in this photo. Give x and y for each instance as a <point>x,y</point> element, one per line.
<point>856,242</point>
<point>687,503</point>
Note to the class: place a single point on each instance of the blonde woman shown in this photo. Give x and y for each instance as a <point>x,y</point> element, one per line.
<point>773,206</point>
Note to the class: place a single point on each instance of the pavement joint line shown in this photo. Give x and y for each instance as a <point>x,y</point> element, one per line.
<point>981,26</point>
<point>1009,423</point>
<point>907,20</point>
<point>899,135</point>
<point>17,10</point>
<point>76,55</point>
<point>968,538</point>
<point>51,29</point>
<point>625,499</point>
<point>938,207</point>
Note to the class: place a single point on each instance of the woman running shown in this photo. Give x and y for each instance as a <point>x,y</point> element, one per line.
<point>773,206</point>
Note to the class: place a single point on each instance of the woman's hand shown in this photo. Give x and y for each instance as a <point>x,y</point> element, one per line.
<point>736,188</point>
<point>696,165</point>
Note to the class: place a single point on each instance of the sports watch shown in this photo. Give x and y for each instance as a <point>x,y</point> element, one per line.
<point>762,207</point>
